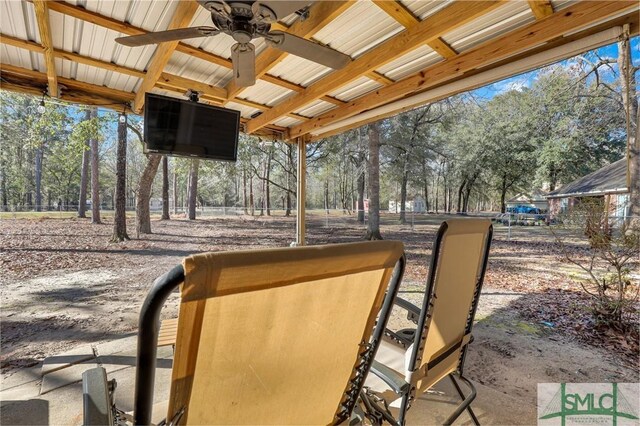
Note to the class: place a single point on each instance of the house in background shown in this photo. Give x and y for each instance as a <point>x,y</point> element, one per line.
<point>155,203</point>
<point>608,183</point>
<point>536,199</point>
<point>417,205</point>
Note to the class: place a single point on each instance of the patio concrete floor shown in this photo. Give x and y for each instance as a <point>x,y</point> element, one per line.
<point>52,394</point>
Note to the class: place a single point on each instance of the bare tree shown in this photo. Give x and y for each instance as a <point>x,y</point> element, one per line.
<point>95,175</point>
<point>143,215</point>
<point>630,103</point>
<point>120,219</point>
<point>606,263</point>
<point>373,225</point>
<point>84,173</point>
<point>175,190</point>
<point>165,188</point>
<point>193,187</point>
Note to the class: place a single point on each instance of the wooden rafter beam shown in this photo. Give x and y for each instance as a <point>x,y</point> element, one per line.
<point>181,83</point>
<point>298,88</point>
<point>177,83</point>
<point>263,107</point>
<point>167,81</point>
<point>320,14</point>
<point>380,78</point>
<point>67,83</point>
<point>44,28</point>
<point>81,13</point>
<point>447,19</point>
<point>632,19</point>
<point>70,56</point>
<point>116,98</point>
<point>509,45</point>
<point>22,80</point>
<point>442,48</point>
<point>407,19</point>
<point>182,17</point>
<point>541,8</point>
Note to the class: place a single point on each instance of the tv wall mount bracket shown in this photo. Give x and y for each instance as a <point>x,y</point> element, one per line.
<point>193,95</point>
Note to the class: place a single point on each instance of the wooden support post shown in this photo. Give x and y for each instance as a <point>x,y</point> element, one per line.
<point>301,193</point>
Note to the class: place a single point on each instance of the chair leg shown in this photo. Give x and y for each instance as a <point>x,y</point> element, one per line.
<point>466,401</point>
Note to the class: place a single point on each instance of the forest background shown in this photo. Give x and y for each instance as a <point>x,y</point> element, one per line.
<point>467,153</point>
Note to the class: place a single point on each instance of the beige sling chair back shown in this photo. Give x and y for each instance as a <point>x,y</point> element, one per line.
<point>281,336</point>
<point>414,360</point>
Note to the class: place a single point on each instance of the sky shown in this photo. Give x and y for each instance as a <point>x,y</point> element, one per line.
<point>521,81</point>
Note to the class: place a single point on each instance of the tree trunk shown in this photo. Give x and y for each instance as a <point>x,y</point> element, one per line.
<point>143,216</point>
<point>426,186</point>
<point>290,167</point>
<point>634,153</point>
<point>403,196</point>
<point>361,195</point>
<point>175,189</point>
<point>95,176</point>
<point>632,114</point>
<point>503,195</point>
<point>326,196</point>
<point>84,173</point>
<point>193,188</point>
<point>460,192</point>
<point>267,192</point>
<point>553,177</point>
<point>251,204</point>
<point>120,219</point>
<point>3,186</point>
<point>244,190</point>
<point>437,189</point>
<point>165,188</point>
<point>373,225</point>
<point>38,176</point>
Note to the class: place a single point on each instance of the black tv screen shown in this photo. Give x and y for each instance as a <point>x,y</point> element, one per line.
<point>186,128</point>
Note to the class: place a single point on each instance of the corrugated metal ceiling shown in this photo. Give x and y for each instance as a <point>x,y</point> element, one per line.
<point>358,29</point>
<point>410,63</point>
<point>425,8</point>
<point>493,24</point>
<point>355,89</point>
<point>265,93</point>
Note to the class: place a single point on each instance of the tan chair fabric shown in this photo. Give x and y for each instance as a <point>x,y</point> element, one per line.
<point>457,272</point>
<point>272,337</point>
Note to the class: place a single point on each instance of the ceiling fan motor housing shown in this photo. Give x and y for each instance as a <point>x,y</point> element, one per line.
<point>241,20</point>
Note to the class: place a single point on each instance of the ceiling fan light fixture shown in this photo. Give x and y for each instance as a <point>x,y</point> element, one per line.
<point>244,64</point>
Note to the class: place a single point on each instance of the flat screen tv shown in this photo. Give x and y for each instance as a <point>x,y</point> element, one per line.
<point>186,128</point>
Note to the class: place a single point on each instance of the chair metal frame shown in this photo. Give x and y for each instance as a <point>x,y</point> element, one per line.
<point>420,318</point>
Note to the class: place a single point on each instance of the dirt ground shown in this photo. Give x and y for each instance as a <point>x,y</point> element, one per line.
<point>63,284</point>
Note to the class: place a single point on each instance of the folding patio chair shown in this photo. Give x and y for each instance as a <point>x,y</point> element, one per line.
<point>413,360</point>
<point>280,336</point>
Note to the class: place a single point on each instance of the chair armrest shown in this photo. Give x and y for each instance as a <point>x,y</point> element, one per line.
<point>97,409</point>
<point>412,310</point>
<point>391,377</point>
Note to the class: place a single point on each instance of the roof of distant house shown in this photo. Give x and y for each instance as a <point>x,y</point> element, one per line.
<point>529,197</point>
<point>611,179</point>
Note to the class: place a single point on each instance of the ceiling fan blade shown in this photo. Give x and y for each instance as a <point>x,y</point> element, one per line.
<point>244,64</point>
<point>307,49</point>
<point>170,35</point>
<point>284,8</point>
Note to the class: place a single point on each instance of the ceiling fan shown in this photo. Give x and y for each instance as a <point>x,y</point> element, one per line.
<point>245,21</point>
